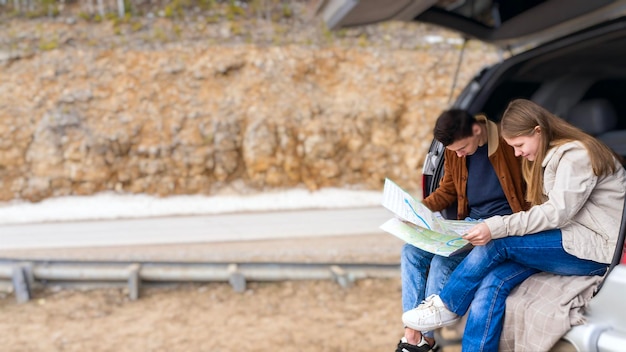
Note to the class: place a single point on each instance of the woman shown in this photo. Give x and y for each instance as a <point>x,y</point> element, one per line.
<point>576,186</point>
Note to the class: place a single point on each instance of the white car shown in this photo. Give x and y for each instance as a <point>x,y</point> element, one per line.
<point>567,55</point>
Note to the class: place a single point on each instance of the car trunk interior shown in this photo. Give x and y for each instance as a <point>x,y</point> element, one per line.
<point>566,77</point>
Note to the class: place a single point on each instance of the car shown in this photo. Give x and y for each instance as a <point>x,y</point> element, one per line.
<point>568,56</point>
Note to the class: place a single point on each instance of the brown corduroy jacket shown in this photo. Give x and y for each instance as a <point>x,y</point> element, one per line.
<point>453,185</point>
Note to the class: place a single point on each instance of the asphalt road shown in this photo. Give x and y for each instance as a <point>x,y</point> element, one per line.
<point>304,235</point>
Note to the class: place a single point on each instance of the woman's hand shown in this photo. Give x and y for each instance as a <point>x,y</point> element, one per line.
<point>478,235</point>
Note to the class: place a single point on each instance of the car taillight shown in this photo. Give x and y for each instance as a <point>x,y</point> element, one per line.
<point>624,255</point>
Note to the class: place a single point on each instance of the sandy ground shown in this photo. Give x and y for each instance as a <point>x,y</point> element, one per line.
<point>268,316</point>
<point>280,316</point>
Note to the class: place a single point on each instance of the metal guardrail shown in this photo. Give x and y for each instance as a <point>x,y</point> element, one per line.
<point>21,277</point>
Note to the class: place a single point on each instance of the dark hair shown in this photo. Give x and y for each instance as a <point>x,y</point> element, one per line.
<point>453,125</point>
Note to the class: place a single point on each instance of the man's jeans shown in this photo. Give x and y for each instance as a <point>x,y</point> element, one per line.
<point>490,272</point>
<point>418,281</point>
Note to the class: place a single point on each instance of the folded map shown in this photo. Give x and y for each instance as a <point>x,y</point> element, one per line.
<point>417,225</point>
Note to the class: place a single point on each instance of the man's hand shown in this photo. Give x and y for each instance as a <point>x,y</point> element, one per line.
<point>478,235</point>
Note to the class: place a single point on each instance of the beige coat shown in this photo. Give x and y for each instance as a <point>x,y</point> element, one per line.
<point>586,208</point>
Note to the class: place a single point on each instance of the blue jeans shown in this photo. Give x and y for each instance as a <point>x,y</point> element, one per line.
<point>423,274</point>
<point>490,272</point>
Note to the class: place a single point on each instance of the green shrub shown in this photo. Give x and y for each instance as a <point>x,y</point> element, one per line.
<point>47,45</point>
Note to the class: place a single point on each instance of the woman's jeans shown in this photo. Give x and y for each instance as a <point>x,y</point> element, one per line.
<point>418,281</point>
<point>490,272</point>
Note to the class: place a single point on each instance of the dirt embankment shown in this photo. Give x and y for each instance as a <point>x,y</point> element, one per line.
<point>160,106</point>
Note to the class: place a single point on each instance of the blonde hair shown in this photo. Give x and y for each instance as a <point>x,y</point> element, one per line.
<point>520,119</point>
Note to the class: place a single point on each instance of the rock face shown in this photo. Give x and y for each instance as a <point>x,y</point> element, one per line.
<point>194,118</point>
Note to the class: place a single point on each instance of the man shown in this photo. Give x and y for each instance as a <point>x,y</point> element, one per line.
<point>482,174</point>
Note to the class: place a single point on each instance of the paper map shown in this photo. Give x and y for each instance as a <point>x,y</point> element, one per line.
<point>417,225</point>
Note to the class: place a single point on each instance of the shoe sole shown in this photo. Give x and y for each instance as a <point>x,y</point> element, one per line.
<point>430,327</point>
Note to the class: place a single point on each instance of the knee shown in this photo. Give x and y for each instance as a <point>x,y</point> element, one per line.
<point>478,255</point>
<point>406,251</point>
<point>490,247</point>
<point>413,256</point>
<point>489,250</point>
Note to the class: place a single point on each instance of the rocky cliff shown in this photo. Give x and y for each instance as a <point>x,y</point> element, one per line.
<point>196,115</point>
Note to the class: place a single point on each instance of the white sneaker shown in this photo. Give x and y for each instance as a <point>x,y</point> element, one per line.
<point>429,315</point>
